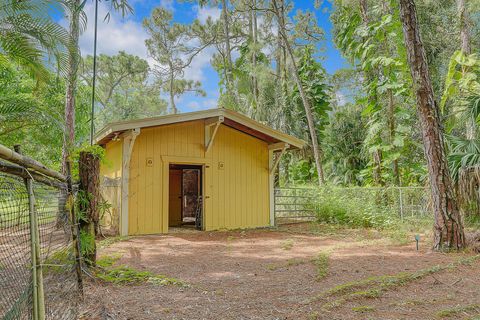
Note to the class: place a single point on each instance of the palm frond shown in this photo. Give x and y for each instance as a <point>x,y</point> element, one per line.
<point>29,37</point>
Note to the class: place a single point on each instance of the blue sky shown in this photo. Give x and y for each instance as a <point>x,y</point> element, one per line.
<point>128,35</point>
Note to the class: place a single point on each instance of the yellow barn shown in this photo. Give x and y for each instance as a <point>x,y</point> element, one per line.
<point>210,169</point>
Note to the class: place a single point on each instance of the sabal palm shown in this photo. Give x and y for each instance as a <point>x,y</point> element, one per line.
<point>29,37</point>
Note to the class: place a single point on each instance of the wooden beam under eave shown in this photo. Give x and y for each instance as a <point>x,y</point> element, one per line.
<point>210,136</point>
<point>277,160</point>
<point>278,146</point>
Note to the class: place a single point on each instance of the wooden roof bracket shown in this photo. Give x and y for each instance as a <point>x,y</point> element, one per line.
<point>274,147</point>
<point>209,135</point>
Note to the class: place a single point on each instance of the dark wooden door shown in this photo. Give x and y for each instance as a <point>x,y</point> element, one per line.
<point>191,193</point>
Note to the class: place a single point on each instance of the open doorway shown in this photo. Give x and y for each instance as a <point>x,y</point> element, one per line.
<point>185,207</point>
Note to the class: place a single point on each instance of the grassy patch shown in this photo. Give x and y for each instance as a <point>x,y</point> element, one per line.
<point>123,274</point>
<point>290,263</point>
<point>108,261</point>
<point>368,294</point>
<point>374,287</point>
<point>363,309</point>
<point>455,311</point>
<point>59,261</point>
<point>287,244</point>
<point>111,240</point>
<point>396,233</point>
<point>321,261</point>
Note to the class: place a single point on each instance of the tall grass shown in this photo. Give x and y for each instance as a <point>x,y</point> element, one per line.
<point>355,207</point>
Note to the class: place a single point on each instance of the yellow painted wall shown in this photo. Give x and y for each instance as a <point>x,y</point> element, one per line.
<point>111,187</point>
<point>235,182</point>
<point>240,192</point>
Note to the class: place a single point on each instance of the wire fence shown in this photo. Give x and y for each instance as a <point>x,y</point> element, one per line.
<point>38,260</point>
<point>301,204</point>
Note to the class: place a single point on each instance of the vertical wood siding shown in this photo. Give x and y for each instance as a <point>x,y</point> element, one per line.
<point>238,193</point>
<point>111,170</point>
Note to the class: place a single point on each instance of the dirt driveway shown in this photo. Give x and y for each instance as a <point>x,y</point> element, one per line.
<point>290,273</point>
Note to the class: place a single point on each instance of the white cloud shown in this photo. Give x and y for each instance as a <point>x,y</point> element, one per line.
<point>115,34</point>
<point>126,34</point>
<point>202,104</point>
<point>210,103</point>
<point>204,12</point>
<point>341,98</point>
<point>196,69</point>
<point>193,105</point>
<point>167,4</point>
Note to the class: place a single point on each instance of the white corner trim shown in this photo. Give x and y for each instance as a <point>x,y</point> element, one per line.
<point>128,142</point>
<point>271,188</point>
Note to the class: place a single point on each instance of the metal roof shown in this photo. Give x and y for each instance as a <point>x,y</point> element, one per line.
<point>230,118</point>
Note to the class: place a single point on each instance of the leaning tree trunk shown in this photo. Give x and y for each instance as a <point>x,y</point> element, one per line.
<point>73,62</point>
<point>306,103</point>
<point>448,229</point>
<point>88,196</point>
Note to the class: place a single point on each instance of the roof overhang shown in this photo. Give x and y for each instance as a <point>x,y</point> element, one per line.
<point>230,118</point>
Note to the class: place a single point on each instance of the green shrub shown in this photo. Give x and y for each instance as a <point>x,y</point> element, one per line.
<point>346,207</point>
<point>108,271</point>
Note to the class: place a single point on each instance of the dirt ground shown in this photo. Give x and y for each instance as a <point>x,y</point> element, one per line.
<point>274,274</point>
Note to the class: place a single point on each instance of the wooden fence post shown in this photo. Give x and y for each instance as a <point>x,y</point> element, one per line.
<point>38,292</point>
<point>37,274</point>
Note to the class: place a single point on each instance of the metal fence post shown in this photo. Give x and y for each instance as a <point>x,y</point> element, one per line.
<point>37,275</point>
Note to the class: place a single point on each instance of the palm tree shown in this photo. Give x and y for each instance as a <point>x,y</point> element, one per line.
<point>30,38</point>
<point>77,23</point>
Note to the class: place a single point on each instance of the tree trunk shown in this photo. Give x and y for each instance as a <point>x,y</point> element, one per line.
<point>391,120</point>
<point>471,126</point>
<point>254,55</point>
<point>391,129</point>
<point>284,53</point>
<point>228,50</point>
<point>306,103</point>
<point>448,228</point>
<point>88,195</point>
<point>464,25</point>
<point>372,99</point>
<point>73,62</point>
<point>173,107</point>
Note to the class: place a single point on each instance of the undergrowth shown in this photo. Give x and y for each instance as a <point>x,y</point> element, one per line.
<point>363,309</point>
<point>290,263</point>
<point>456,311</point>
<point>321,262</point>
<point>374,287</point>
<point>287,244</point>
<point>111,240</point>
<point>108,271</point>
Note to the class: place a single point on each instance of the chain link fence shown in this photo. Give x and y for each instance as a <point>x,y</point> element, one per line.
<point>38,258</point>
<point>301,204</point>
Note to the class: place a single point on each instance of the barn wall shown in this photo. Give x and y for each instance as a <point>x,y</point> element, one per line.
<point>240,190</point>
<point>110,179</point>
<point>236,177</point>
